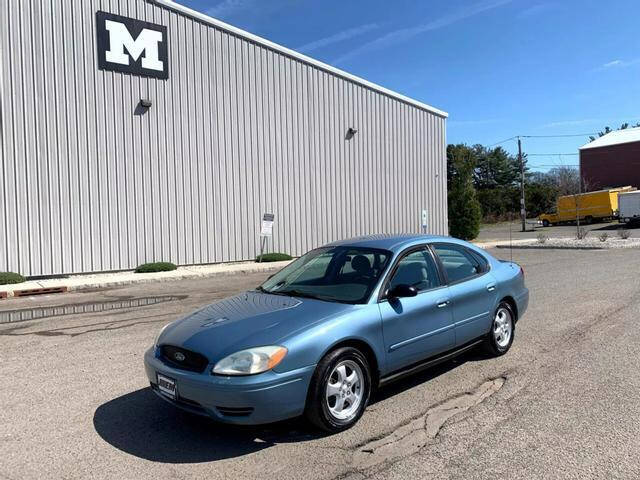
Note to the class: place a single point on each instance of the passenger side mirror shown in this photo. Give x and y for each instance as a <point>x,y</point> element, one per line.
<point>402,291</point>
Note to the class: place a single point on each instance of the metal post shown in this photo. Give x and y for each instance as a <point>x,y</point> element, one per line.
<point>523,211</point>
<point>262,242</point>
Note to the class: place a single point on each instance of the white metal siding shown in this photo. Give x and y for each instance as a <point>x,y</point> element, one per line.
<point>239,129</point>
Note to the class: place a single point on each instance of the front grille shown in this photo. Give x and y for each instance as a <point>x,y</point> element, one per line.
<point>192,361</point>
<point>235,411</point>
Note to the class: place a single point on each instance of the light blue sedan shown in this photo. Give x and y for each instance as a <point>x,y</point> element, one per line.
<point>319,336</point>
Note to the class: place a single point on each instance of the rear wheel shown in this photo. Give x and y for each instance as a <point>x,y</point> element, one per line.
<point>339,390</point>
<point>500,338</point>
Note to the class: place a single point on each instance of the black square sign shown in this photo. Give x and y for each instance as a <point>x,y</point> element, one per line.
<point>132,46</point>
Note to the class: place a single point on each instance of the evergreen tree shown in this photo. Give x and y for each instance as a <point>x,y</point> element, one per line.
<point>464,209</point>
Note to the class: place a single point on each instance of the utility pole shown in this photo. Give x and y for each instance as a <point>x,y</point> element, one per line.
<point>523,212</point>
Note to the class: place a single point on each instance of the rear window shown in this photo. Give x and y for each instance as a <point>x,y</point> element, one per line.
<point>459,263</point>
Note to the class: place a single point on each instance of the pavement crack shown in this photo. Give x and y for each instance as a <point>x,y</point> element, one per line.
<point>411,437</point>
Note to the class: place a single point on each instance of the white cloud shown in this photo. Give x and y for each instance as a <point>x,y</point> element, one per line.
<point>227,8</point>
<point>620,64</point>
<point>338,37</point>
<point>538,10</point>
<point>571,123</point>
<point>404,34</point>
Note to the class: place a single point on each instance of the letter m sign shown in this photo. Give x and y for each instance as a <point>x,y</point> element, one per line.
<point>132,46</point>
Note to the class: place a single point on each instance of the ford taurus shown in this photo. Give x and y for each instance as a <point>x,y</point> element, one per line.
<point>318,337</point>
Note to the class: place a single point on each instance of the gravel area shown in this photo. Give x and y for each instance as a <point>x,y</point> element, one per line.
<point>587,243</point>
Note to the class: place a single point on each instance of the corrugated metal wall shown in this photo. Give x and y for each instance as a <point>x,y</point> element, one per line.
<point>90,184</point>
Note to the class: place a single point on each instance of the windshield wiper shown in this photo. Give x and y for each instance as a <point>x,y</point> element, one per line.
<point>299,293</point>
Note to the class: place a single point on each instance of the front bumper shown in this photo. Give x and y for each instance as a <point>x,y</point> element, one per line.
<point>248,400</point>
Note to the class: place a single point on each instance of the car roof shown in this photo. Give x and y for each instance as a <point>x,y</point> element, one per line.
<point>392,242</point>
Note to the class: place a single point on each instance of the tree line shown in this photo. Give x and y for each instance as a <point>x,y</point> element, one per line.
<point>484,186</point>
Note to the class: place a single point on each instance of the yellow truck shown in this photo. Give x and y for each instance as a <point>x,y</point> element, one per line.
<point>589,207</point>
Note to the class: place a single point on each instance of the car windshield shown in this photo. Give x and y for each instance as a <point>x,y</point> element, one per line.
<point>335,274</point>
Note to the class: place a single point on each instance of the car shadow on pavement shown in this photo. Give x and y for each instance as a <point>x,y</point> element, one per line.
<point>141,424</point>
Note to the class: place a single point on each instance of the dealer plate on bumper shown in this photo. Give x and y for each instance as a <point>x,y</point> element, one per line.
<point>167,386</point>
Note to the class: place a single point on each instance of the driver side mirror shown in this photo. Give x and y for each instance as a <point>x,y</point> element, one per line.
<point>402,291</point>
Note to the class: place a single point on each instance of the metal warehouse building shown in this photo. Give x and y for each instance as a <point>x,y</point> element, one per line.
<point>612,160</point>
<point>138,130</point>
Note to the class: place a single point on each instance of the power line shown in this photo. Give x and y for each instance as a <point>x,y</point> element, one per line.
<point>503,141</point>
<point>549,165</point>
<point>543,136</point>
<point>560,136</point>
<point>551,154</point>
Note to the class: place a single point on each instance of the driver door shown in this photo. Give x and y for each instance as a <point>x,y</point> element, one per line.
<point>416,328</point>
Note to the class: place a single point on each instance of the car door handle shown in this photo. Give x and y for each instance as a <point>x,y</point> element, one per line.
<point>443,303</point>
<point>491,287</point>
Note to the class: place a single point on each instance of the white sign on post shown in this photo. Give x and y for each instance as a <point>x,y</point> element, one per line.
<point>266,231</point>
<point>424,221</point>
<point>267,225</point>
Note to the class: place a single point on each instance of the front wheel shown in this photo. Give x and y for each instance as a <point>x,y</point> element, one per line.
<point>545,223</point>
<point>339,390</point>
<point>500,338</point>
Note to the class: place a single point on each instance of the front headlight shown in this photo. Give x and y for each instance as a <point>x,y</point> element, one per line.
<point>155,341</point>
<point>250,361</point>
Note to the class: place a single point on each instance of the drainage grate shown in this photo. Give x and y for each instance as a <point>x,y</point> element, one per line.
<point>26,314</point>
<point>39,291</point>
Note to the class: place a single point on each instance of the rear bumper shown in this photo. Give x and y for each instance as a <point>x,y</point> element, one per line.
<point>522,302</point>
<point>248,400</point>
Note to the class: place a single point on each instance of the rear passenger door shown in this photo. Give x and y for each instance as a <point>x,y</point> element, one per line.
<point>471,287</point>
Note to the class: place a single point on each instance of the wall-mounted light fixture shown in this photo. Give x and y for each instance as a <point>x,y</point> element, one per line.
<point>350,133</point>
<point>146,103</point>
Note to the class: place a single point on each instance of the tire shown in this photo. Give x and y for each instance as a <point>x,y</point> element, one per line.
<point>496,344</point>
<point>332,375</point>
<point>545,223</point>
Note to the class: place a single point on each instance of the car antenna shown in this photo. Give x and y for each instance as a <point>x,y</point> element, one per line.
<point>510,238</point>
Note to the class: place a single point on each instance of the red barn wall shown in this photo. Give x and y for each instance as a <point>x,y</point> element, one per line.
<point>613,166</point>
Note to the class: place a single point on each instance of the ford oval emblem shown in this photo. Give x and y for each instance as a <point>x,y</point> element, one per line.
<point>179,356</point>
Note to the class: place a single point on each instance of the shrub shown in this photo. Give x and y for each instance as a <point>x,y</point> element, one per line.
<point>464,209</point>
<point>8,278</point>
<point>582,233</point>
<point>624,233</point>
<point>156,267</point>
<point>273,257</point>
<point>603,236</point>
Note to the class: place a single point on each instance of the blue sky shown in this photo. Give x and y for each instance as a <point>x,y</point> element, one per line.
<point>499,67</point>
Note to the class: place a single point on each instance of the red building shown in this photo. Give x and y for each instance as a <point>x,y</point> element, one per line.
<point>612,160</point>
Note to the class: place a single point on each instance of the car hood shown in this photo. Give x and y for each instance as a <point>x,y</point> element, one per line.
<point>250,319</point>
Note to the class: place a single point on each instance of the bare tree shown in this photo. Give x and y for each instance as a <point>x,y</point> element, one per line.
<point>565,179</point>
<point>583,186</point>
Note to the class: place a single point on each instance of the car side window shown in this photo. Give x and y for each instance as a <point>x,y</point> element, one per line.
<point>416,269</point>
<point>458,262</point>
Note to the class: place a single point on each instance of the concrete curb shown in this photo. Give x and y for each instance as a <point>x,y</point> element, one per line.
<point>106,280</point>
<point>554,247</point>
<point>500,243</point>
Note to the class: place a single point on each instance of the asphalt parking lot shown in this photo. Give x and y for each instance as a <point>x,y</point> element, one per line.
<point>563,403</point>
